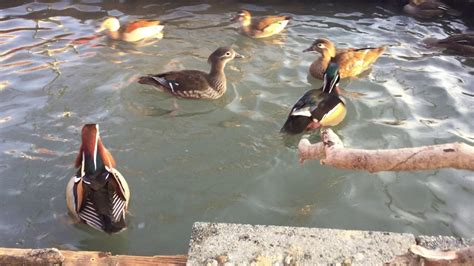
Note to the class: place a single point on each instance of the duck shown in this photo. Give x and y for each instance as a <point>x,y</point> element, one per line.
<point>195,84</point>
<point>428,9</point>
<point>462,43</point>
<point>261,27</point>
<point>351,61</point>
<point>321,107</point>
<point>98,195</point>
<point>133,31</point>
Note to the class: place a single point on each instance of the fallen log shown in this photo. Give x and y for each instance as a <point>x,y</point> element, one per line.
<point>331,152</point>
<point>52,256</point>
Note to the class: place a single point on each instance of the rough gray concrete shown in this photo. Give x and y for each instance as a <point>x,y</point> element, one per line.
<point>239,244</point>
<point>215,244</point>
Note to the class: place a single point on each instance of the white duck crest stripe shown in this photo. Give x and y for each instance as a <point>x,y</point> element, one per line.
<point>95,147</point>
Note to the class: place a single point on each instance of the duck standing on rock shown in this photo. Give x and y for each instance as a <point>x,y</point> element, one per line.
<point>132,32</point>
<point>196,84</point>
<point>98,195</point>
<point>261,27</point>
<point>351,61</point>
<point>318,107</point>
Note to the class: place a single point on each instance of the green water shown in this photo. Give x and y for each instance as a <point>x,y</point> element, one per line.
<point>223,160</point>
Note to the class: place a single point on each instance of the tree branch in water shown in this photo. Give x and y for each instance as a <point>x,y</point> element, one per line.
<point>331,152</point>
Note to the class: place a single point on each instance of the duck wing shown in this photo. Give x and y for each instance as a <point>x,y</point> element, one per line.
<point>101,201</point>
<point>354,61</point>
<point>436,5</point>
<point>300,115</point>
<point>140,24</point>
<point>271,23</point>
<point>178,82</point>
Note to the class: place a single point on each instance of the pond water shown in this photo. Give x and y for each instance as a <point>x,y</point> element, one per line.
<point>223,160</point>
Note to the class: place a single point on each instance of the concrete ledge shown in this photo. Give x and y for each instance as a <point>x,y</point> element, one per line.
<point>218,244</point>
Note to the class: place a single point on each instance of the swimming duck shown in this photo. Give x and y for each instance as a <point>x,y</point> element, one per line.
<point>98,195</point>
<point>428,9</point>
<point>318,107</point>
<point>351,61</point>
<point>194,83</point>
<point>132,32</point>
<point>461,43</point>
<point>261,27</point>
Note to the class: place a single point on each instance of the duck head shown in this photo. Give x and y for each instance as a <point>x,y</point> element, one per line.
<point>244,17</point>
<point>323,46</point>
<point>93,157</point>
<point>223,55</point>
<point>111,24</point>
<point>331,78</point>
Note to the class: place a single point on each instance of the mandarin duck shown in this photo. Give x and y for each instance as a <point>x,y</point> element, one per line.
<point>194,83</point>
<point>98,195</point>
<point>261,27</point>
<point>318,107</point>
<point>132,32</point>
<point>429,9</point>
<point>461,43</point>
<point>351,61</point>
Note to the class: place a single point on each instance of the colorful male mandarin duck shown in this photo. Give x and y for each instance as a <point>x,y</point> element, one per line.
<point>318,107</point>
<point>98,195</point>
<point>194,83</point>
<point>261,27</point>
<point>461,43</point>
<point>429,9</point>
<point>351,61</point>
<point>132,32</point>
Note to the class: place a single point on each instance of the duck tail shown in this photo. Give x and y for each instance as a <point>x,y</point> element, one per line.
<point>295,124</point>
<point>111,227</point>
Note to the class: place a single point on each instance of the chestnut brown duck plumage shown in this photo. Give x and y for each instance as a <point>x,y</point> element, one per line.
<point>194,83</point>
<point>351,61</point>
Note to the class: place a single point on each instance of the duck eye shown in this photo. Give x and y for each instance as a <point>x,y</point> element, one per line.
<point>320,45</point>
<point>227,54</point>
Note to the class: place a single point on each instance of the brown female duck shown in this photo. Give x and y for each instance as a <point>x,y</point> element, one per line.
<point>194,83</point>
<point>351,61</point>
<point>261,27</point>
<point>429,9</point>
<point>461,43</point>
<point>132,31</point>
<point>98,195</point>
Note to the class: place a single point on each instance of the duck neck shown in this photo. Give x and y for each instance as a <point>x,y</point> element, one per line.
<point>325,59</point>
<point>217,76</point>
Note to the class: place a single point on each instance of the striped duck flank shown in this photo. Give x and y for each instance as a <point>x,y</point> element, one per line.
<point>133,31</point>
<point>317,107</point>
<point>460,43</point>
<point>351,61</point>
<point>98,195</point>
<point>261,27</point>
<point>196,84</point>
<point>429,9</point>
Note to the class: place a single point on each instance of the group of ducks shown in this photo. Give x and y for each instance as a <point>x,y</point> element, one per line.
<point>98,195</point>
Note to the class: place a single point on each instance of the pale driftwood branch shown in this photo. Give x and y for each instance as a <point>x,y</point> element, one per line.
<point>52,256</point>
<point>418,255</point>
<point>331,151</point>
